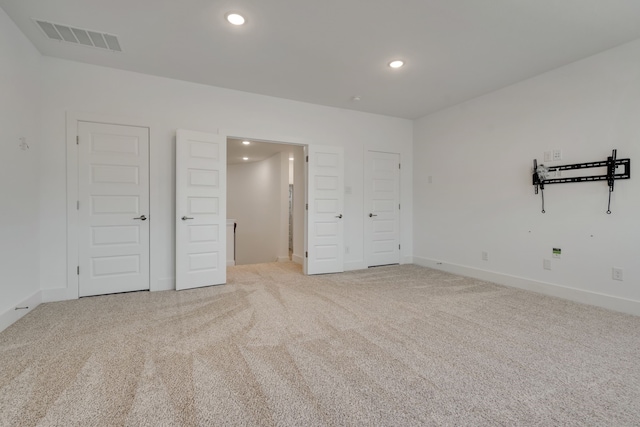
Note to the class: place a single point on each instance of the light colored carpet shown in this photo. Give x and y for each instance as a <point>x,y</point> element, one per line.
<point>400,345</point>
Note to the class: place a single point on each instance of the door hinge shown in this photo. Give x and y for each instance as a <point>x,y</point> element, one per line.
<point>307,159</point>
<point>398,205</point>
<point>399,166</point>
<point>398,246</point>
<point>77,139</point>
<point>306,254</point>
<point>78,270</point>
<point>78,205</point>
<point>306,207</point>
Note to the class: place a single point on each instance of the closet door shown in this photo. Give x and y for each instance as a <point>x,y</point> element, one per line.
<point>325,219</point>
<point>201,209</point>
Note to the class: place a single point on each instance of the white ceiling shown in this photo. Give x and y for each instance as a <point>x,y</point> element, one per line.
<point>327,51</point>
<point>257,151</point>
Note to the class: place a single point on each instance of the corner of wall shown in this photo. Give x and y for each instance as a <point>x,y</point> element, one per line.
<point>298,259</point>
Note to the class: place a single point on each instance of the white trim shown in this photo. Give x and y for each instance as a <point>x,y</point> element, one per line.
<point>57,294</point>
<point>408,259</point>
<point>12,315</point>
<point>165,284</point>
<point>72,290</point>
<point>355,265</point>
<point>298,259</point>
<point>573,294</point>
<point>283,259</point>
<point>281,139</point>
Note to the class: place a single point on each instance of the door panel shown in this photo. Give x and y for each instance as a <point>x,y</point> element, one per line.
<point>382,208</point>
<point>113,191</point>
<point>201,195</point>
<point>325,223</point>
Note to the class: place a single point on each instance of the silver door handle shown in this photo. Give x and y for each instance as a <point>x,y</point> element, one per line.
<point>339,216</point>
<point>370,215</point>
<point>184,218</point>
<point>141,218</point>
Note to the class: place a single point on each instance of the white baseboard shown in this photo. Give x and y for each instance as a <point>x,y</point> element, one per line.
<point>283,259</point>
<point>231,263</point>
<point>64,294</point>
<point>165,284</point>
<point>573,294</point>
<point>355,265</point>
<point>298,259</point>
<point>362,265</point>
<point>12,315</point>
<point>59,294</point>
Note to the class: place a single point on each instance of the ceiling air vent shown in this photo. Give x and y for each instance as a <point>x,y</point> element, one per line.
<point>65,33</point>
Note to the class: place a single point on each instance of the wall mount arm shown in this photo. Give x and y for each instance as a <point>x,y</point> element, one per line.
<point>540,180</point>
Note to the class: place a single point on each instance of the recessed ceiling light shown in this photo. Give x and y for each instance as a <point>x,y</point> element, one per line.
<point>245,158</point>
<point>246,142</point>
<point>235,18</point>
<point>396,64</point>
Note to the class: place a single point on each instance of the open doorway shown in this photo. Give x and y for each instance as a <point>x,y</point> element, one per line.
<point>265,202</point>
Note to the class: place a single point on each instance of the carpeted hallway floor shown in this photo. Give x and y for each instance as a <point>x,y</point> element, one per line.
<point>401,345</point>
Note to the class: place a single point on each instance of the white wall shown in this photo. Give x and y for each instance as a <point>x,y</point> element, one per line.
<point>479,155</point>
<point>283,238</point>
<point>165,105</point>
<point>19,118</point>
<point>254,200</point>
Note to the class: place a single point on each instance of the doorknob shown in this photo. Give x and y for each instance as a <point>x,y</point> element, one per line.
<point>339,216</point>
<point>184,218</point>
<point>141,218</point>
<point>370,215</point>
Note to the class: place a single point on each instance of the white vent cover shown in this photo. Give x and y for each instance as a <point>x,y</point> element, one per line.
<point>65,33</point>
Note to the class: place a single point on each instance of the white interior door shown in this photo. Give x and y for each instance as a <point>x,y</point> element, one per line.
<point>382,208</point>
<point>325,222</point>
<point>113,208</point>
<point>201,209</point>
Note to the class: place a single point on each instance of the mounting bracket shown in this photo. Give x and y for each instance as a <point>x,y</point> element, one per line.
<point>540,180</point>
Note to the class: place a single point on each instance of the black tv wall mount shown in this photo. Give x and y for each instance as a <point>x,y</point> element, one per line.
<point>541,173</point>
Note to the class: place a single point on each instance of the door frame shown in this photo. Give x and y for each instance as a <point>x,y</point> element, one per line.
<point>72,291</point>
<point>364,201</point>
<point>279,139</point>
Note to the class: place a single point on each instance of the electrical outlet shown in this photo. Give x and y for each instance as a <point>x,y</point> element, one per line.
<point>548,156</point>
<point>485,256</point>
<point>546,264</point>
<point>346,249</point>
<point>557,155</point>
<point>616,273</point>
